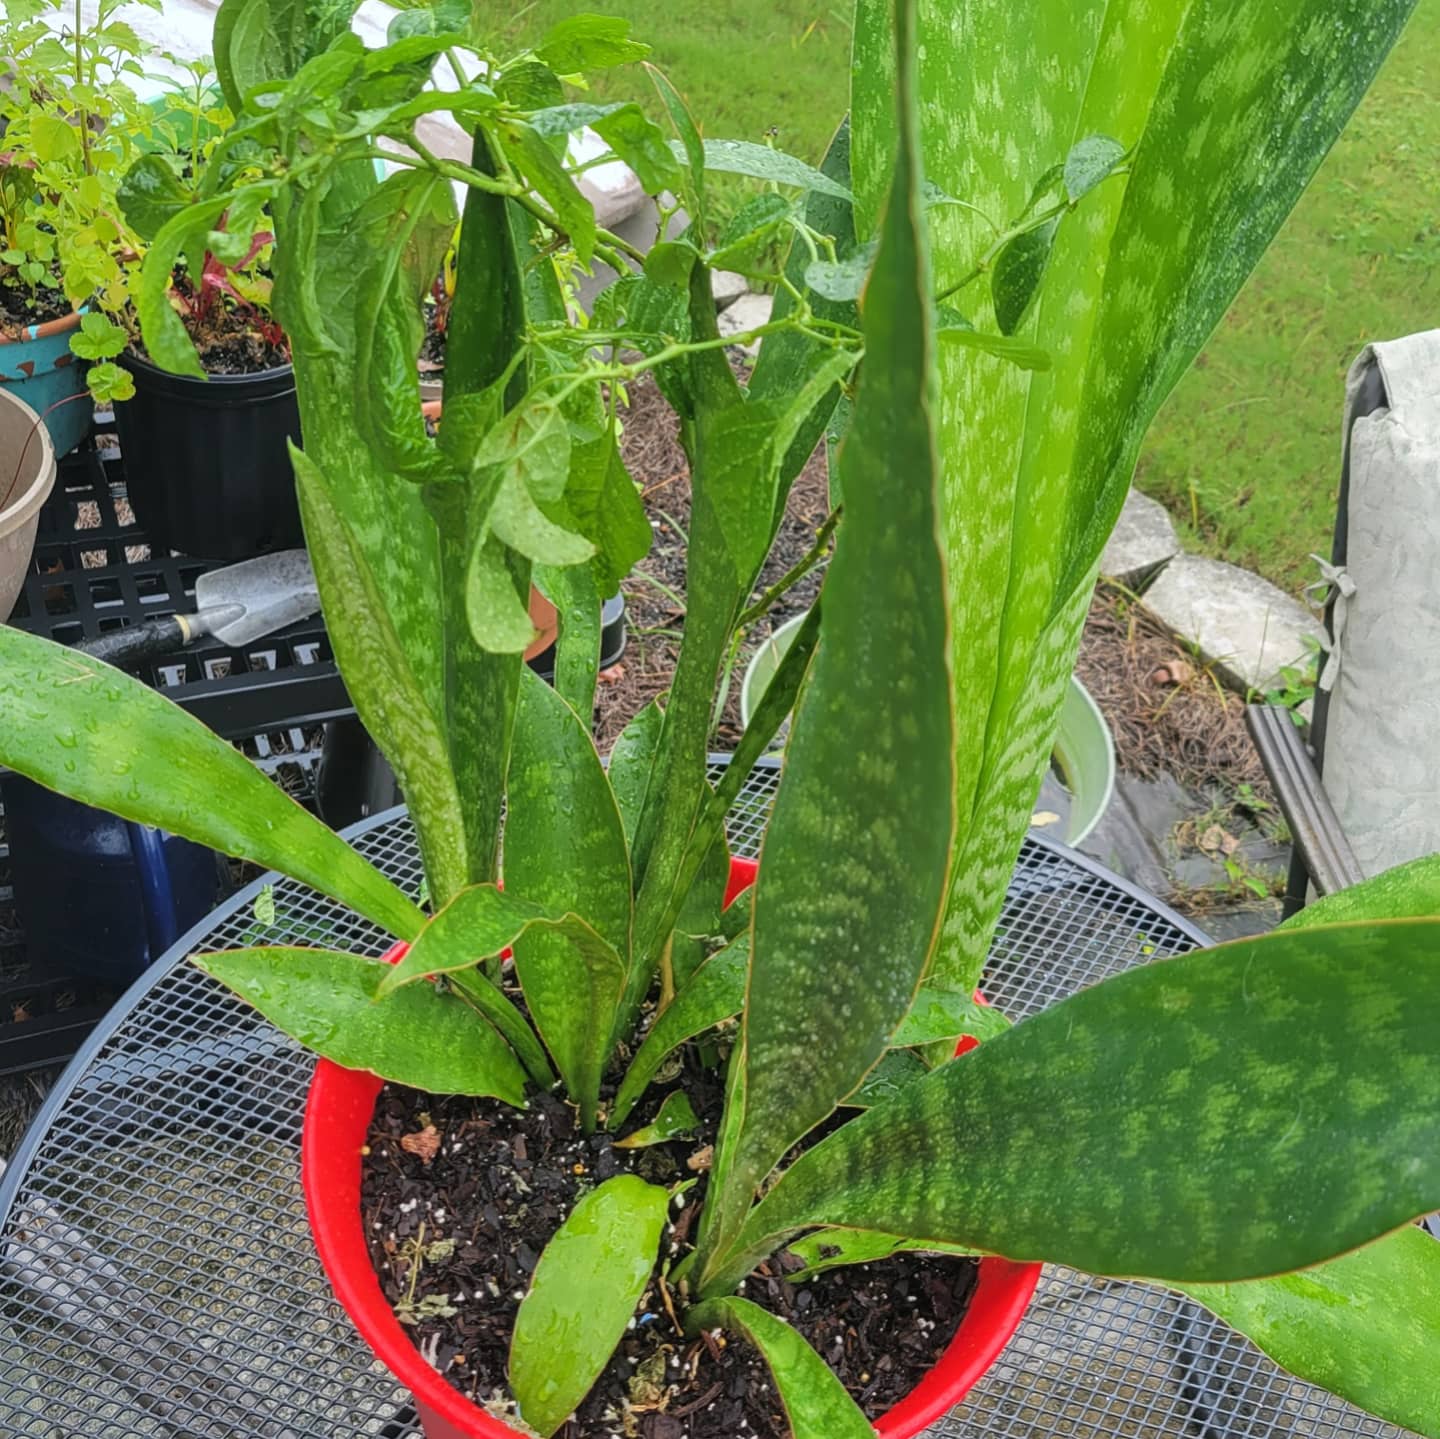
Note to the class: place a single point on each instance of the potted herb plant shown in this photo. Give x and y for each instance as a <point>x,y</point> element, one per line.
<point>70,118</point>
<point>206,459</point>
<point>1251,1123</point>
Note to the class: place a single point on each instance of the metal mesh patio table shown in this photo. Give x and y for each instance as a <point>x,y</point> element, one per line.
<point>157,1276</point>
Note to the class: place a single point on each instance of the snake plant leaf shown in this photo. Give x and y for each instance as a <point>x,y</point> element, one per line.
<point>388,330</point>
<point>815,1401</point>
<point>942,1014</point>
<point>897,1069</point>
<point>417,1036</point>
<point>565,850</point>
<point>577,599</point>
<point>1407,891</point>
<point>676,1118</point>
<point>1038,463</point>
<point>853,870</point>
<point>1366,1325</point>
<point>89,731</point>
<point>631,761</point>
<point>475,925</point>
<point>589,42</point>
<point>824,1249</point>
<point>761,162</point>
<point>388,697</point>
<point>584,1293</point>
<point>715,993</point>
<point>1277,1093</point>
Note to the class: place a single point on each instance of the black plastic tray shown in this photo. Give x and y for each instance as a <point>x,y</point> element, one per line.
<point>94,571</point>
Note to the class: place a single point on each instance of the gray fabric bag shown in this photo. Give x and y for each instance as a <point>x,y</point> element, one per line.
<point>1378,716</point>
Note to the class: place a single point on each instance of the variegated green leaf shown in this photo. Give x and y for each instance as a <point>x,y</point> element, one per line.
<point>815,1401</point>
<point>88,730</point>
<point>1407,891</point>
<point>676,1118</point>
<point>1228,109</point>
<point>897,1069</point>
<point>1366,1325</point>
<point>565,850</point>
<point>1278,1093</point>
<point>853,870</point>
<point>941,1014</point>
<point>714,994</point>
<point>584,1293</point>
<point>824,1249</point>
<point>631,761</point>
<point>417,1036</point>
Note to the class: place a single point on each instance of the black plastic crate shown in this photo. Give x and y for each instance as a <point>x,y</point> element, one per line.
<point>94,571</point>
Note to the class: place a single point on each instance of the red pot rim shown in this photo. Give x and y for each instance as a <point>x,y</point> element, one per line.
<point>337,1118</point>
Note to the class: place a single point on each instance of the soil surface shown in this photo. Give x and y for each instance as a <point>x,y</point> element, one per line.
<point>230,339</point>
<point>21,306</point>
<point>498,1182</point>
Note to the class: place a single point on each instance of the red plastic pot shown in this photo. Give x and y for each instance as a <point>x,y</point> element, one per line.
<point>337,1121</point>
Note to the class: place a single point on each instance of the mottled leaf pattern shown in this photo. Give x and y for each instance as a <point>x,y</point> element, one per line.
<point>584,1293</point>
<point>1228,110</point>
<point>815,1401</point>
<point>1275,1092</point>
<point>418,1036</point>
<point>1366,1325</point>
<point>854,860</point>
<point>88,730</point>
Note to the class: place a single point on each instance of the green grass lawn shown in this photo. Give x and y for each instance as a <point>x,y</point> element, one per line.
<point>1246,453</point>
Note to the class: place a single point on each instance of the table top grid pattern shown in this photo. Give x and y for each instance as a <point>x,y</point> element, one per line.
<point>157,1278</point>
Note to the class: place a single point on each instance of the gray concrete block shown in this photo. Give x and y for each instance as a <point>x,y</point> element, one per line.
<point>727,287</point>
<point>749,312</point>
<point>1143,540</point>
<point>1241,623</point>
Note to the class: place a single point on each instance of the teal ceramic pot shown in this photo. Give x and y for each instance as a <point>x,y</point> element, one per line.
<point>39,369</point>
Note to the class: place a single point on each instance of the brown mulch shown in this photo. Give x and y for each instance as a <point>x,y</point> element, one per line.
<point>655,618</point>
<point>1168,714</point>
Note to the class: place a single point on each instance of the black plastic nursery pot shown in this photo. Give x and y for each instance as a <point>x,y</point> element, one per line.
<point>206,460</point>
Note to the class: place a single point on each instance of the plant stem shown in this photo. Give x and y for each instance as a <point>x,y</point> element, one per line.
<point>795,573</point>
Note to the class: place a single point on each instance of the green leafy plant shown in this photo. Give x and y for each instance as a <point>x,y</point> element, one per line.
<point>991,307</point>
<point>72,126</point>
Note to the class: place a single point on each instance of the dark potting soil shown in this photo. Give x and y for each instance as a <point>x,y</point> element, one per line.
<point>231,341</point>
<point>477,1189</point>
<point>21,306</point>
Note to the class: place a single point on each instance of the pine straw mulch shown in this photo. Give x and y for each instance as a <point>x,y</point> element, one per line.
<point>1168,713</point>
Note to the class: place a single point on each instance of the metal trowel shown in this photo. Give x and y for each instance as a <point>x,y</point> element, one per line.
<point>237,604</point>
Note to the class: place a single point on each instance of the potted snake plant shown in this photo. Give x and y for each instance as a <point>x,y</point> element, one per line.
<point>1251,1123</point>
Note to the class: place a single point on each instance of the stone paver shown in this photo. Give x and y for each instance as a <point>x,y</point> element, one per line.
<point>727,287</point>
<point>1238,621</point>
<point>749,312</point>
<point>1143,540</point>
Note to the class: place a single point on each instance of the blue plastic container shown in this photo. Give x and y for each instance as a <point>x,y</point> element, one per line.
<point>41,370</point>
<point>97,895</point>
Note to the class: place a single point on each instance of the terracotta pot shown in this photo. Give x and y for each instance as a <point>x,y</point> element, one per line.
<point>337,1122</point>
<point>27,458</point>
<point>542,612</point>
